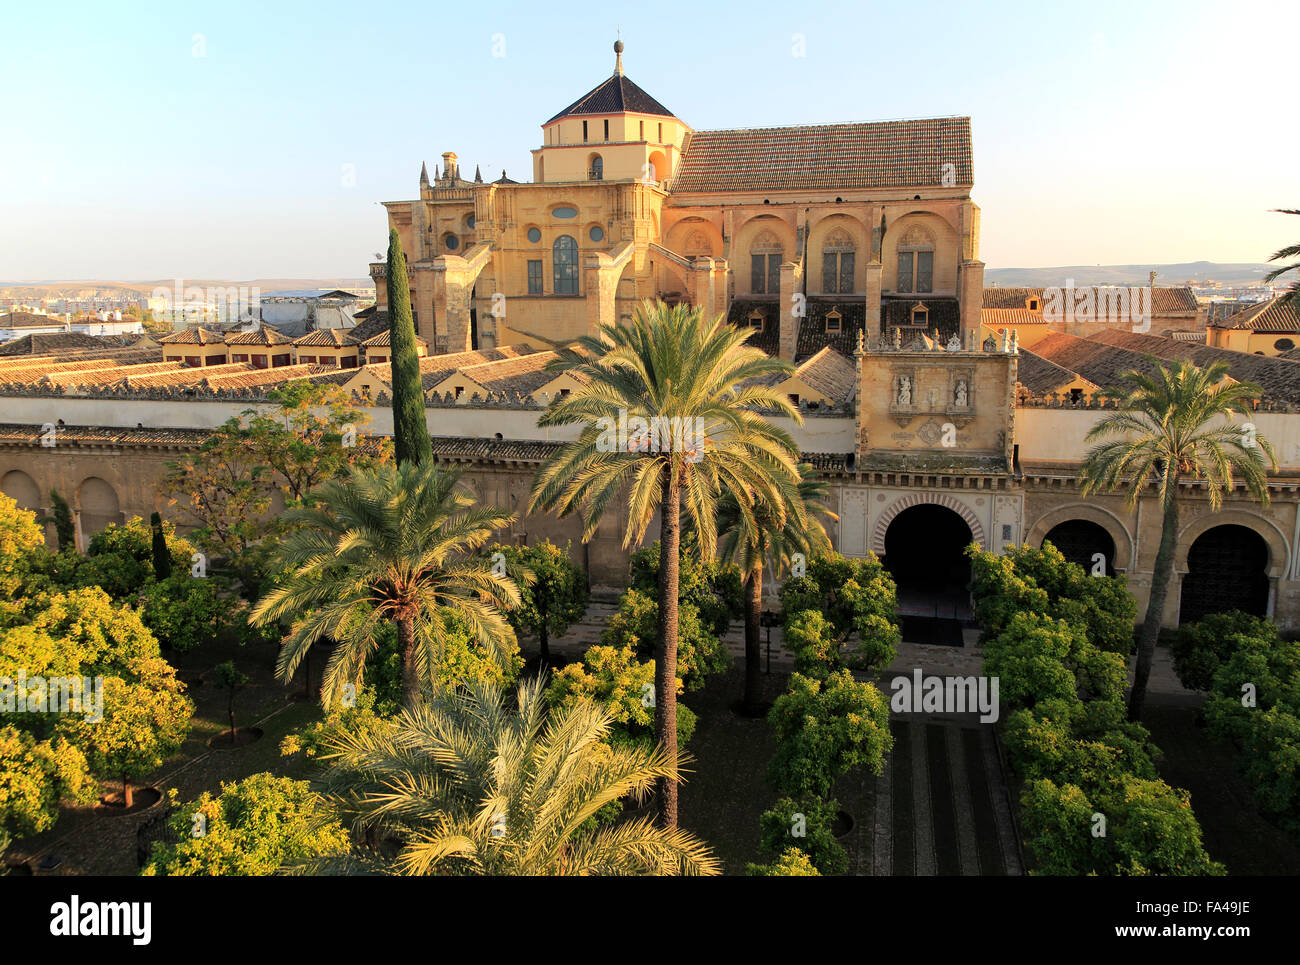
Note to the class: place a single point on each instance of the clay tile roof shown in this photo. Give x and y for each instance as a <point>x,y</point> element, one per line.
<point>193,336</point>
<point>524,374</point>
<point>830,373</point>
<point>882,154</point>
<point>12,433</point>
<point>191,375</point>
<point>614,96</point>
<point>329,337</point>
<point>382,339</point>
<point>280,373</point>
<point>39,343</point>
<point>1164,300</point>
<point>1101,359</point>
<point>1040,376</point>
<point>1278,316</point>
<point>263,336</point>
<point>994,317</point>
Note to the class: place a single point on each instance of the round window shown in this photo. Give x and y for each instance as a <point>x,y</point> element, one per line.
<point>1284,345</point>
<point>565,211</point>
<point>534,235</point>
<point>597,233</point>
<point>452,242</point>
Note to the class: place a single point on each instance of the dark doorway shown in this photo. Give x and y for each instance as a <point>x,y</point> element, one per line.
<point>1227,569</point>
<point>1080,540</point>
<point>925,553</point>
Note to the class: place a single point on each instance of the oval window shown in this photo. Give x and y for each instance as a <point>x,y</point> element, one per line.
<point>534,235</point>
<point>469,221</point>
<point>1284,345</point>
<point>452,242</point>
<point>565,211</point>
<point>597,233</point>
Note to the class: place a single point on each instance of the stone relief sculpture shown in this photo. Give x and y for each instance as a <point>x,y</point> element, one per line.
<point>959,396</point>
<point>904,390</point>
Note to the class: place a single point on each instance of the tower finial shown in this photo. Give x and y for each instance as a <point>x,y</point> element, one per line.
<point>424,173</point>
<point>618,58</point>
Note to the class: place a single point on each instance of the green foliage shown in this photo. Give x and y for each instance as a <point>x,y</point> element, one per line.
<point>65,528</point>
<point>793,863</point>
<point>21,545</point>
<point>315,740</point>
<point>812,640</point>
<point>256,826</point>
<point>635,626</point>
<point>804,825</point>
<point>556,595</point>
<point>1149,829</point>
<point>35,775</point>
<point>162,561</point>
<point>184,612</point>
<point>1044,581</point>
<point>505,788</point>
<point>460,659</point>
<point>714,588</point>
<point>615,678</point>
<point>855,596</point>
<point>121,557</point>
<point>410,431</point>
<point>825,728</point>
<point>395,544</point>
<point>1200,648</point>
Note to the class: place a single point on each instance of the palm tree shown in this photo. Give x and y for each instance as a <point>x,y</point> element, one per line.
<point>778,532</point>
<point>670,409</point>
<point>1175,423</point>
<point>470,786</point>
<point>1290,251</point>
<point>390,543</point>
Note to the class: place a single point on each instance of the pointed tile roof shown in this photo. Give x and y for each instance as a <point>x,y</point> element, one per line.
<point>615,96</point>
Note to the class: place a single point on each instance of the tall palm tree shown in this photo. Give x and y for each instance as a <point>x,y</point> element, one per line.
<point>1177,423</point>
<point>1290,251</point>
<point>670,367</point>
<point>778,532</point>
<point>470,785</point>
<point>390,543</point>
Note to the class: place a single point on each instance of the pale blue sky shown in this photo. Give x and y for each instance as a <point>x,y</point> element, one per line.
<point>1113,132</point>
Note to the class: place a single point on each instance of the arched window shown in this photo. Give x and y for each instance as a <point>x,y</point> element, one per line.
<point>838,255</point>
<point>596,168</point>
<point>765,257</point>
<point>564,255</point>
<point>916,261</point>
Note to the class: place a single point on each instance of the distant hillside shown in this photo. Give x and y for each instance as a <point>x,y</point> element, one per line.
<point>1176,274</point>
<point>86,289</point>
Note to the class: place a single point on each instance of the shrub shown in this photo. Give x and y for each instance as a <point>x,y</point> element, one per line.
<point>811,638</point>
<point>715,589</point>
<point>1200,648</point>
<point>804,825</point>
<point>825,728</point>
<point>256,826</point>
<point>635,625</point>
<point>852,596</point>
<point>793,863</point>
<point>615,677</point>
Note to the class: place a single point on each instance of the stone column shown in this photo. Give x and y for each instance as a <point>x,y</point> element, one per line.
<point>971,296</point>
<point>721,296</point>
<point>791,276</point>
<point>874,272</point>
<point>600,286</point>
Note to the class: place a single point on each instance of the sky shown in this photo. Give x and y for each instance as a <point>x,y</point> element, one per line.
<point>256,140</point>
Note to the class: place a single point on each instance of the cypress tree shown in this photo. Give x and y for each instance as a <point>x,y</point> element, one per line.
<point>410,432</point>
<point>64,527</point>
<point>162,559</point>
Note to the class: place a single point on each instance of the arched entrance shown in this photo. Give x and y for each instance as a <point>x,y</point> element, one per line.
<point>925,549</point>
<point>1080,540</point>
<point>1227,569</point>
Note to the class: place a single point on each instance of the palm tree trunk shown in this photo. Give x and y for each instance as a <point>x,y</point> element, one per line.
<point>128,798</point>
<point>406,645</point>
<point>753,619</point>
<point>1164,569</point>
<point>670,542</point>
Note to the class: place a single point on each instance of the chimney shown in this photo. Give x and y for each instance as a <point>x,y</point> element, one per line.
<point>1151,280</point>
<point>449,170</point>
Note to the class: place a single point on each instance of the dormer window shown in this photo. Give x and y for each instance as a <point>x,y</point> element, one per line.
<point>834,321</point>
<point>1032,303</point>
<point>920,315</point>
<point>756,320</point>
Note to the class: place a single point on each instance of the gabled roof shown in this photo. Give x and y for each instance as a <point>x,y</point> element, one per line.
<point>832,157</point>
<point>1277,316</point>
<point>263,336</point>
<point>328,337</point>
<point>614,96</point>
<point>383,338</point>
<point>1165,300</point>
<point>193,336</point>
<point>1039,376</point>
<point>830,373</point>
<point>36,344</point>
